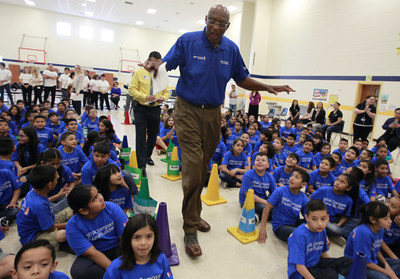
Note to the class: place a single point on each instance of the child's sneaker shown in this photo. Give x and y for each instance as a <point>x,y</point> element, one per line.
<point>338,240</point>
<point>256,218</point>
<point>4,222</point>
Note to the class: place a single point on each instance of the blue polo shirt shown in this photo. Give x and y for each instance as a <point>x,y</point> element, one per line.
<point>205,70</point>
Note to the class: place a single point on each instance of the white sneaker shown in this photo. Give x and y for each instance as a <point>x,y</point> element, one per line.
<point>257,218</point>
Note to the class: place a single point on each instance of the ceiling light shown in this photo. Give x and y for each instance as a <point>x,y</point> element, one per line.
<point>30,3</point>
<point>139,22</point>
<point>232,8</point>
<point>182,31</point>
<point>200,21</point>
<point>151,11</point>
<point>88,13</point>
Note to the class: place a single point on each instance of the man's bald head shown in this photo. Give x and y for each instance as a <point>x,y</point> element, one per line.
<point>221,10</point>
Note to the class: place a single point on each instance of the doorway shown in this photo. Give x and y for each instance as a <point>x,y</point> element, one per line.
<point>364,89</point>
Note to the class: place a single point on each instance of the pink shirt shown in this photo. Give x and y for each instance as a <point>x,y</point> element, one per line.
<point>254,101</point>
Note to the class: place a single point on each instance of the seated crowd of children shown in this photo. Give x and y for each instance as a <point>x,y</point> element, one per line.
<point>290,169</point>
<point>75,196</point>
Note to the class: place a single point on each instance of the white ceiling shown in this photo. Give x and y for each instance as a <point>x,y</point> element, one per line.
<point>171,15</point>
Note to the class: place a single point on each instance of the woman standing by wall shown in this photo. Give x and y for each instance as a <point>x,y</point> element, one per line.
<point>77,89</point>
<point>37,83</point>
<point>25,80</point>
<point>294,112</point>
<point>255,98</point>
<point>363,123</point>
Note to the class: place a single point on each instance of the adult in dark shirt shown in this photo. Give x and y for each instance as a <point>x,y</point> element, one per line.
<point>318,116</point>
<point>363,123</point>
<point>334,122</point>
<point>392,134</point>
<point>294,112</point>
<point>207,61</point>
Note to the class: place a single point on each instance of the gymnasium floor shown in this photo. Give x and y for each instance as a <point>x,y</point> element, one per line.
<point>223,256</point>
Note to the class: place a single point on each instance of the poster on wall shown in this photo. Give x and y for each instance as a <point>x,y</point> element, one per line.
<point>320,95</point>
<point>333,98</point>
<point>384,98</point>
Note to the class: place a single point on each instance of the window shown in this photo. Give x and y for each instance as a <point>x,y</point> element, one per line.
<point>86,32</point>
<point>63,28</point>
<point>107,35</point>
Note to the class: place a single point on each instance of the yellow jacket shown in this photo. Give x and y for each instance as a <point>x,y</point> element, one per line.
<point>140,87</point>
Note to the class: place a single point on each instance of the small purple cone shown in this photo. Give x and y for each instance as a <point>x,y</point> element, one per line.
<point>125,142</point>
<point>164,240</point>
<point>359,268</point>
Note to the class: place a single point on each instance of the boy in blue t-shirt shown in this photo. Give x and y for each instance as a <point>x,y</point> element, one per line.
<point>339,205</point>
<point>54,124</point>
<point>384,184</point>
<point>364,155</point>
<point>343,144</point>
<point>306,157</point>
<point>93,232</point>
<point>9,194</point>
<point>325,150</point>
<point>36,219</point>
<point>265,122</point>
<point>7,148</point>
<point>392,235</point>
<point>101,157</point>
<point>348,160</point>
<point>260,181</point>
<point>237,131</point>
<point>72,126</point>
<point>322,177</point>
<point>299,127</point>
<point>308,257</point>
<point>338,159</point>
<point>288,203</point>
<point>44,134</point>
<point>36,258</point>
<point>219,153</point>
<point>279,156</point>
<point>92,121</point>
<point>289,145</point>
<point>283,173</point>
<point>286,130</point>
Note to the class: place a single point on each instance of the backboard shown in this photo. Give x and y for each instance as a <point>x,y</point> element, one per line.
<point>32,55</point>
<point>129,66</point>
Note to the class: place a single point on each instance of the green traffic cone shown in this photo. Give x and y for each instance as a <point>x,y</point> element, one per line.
<point>144,189</point>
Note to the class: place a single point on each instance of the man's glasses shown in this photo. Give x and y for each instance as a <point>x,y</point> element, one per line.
<point>221,24</point>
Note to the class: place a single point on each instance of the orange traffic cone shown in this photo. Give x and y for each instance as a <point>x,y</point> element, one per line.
<point>212,196</point>
<point>127,122</point>
<point>246,231</point>
<point>173,173</point>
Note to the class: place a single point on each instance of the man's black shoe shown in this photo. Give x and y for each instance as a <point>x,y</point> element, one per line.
<point>150,161</point>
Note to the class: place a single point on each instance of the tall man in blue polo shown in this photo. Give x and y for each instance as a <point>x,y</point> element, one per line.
<point>207,61</point>
<point>147,112</point>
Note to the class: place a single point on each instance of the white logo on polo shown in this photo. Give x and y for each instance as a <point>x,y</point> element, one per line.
<point>224,62</point>
<point>199,57</point>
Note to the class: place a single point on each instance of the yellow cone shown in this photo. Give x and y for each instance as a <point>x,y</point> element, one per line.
<point>173,165</point>
<point>212,196</point>
<point>246,231</point>
<point>133,160</point>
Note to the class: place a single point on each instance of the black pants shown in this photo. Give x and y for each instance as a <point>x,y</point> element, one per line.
<point>104,98</point>
<point>77,106</point>
<point>38,94</point>
<point>329,268</point>
<point>47,91</point>
<point>87,98</point>
<point>27,94</point>
<point>6,87</point>
<point>146,119</point>
<point>253,110</point>
<point>361,132</point>
<point>392,141</point>
<point>95,97</point>
<point>84,268</point>
<point>115,100</point>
